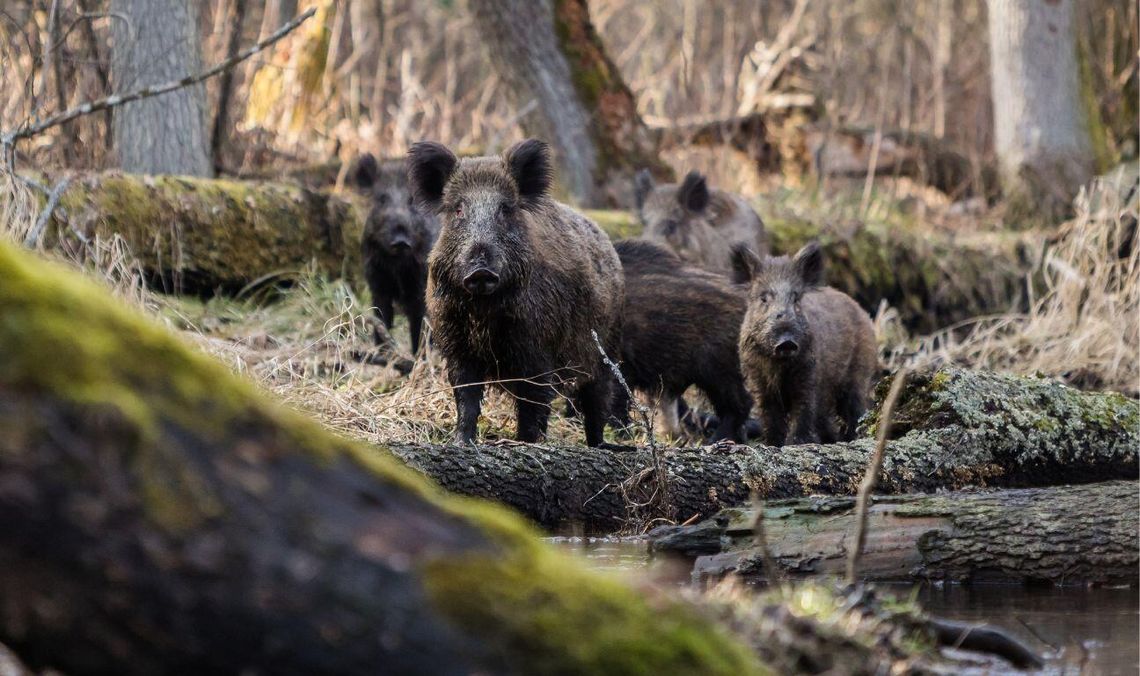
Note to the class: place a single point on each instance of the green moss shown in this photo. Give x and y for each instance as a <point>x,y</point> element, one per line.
<point>65,338</point>
<point>617,224</point>
<point>532,605</point>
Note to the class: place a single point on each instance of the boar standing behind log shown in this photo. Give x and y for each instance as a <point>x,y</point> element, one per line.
<point>681,327</point>
<point>397,239</point>
<point>700,225</point>
<point>516,282</point>
<point>808,353</point>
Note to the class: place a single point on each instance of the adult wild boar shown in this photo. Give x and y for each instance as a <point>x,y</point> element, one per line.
<point>516,283</point>
<point>680,328</point>
<point>700,225</point>
<point>808,352</point>
<point>398,236</point>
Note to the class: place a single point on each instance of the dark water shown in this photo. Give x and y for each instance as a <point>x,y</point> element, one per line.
<point>1078,630</point>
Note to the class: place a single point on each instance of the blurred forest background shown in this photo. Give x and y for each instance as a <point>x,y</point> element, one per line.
<point>871,125</point>
<point>378,75</point>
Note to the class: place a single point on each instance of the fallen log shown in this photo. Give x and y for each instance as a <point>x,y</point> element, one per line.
<point>161,517</point>
<point>954,428</point>
<point>203,235</point>
<point>1060,535</point>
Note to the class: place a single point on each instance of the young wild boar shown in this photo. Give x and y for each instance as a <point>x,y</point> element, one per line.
<point>808,352</point>
<point>681,327</point>
<point>516,282</point>
<point>699,224</point>
<point>397,239</point>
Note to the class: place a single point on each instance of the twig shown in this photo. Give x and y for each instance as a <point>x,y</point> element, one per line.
<point>661,493</point>
<point>862,503</point>
<point>775,575</point>
<point>9,139</point>
<point>33,239</point>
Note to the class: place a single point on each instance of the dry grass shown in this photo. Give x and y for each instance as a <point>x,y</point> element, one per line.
<point>1085,326</point>
<point>307,346</point>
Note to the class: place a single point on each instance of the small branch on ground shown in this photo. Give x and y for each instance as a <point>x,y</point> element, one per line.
<point>863,501</point>
<point>32,241</point>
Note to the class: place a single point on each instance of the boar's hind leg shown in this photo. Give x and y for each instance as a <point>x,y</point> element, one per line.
<point>415,312</point>
<point>468,400</point>
<point>594,403</point>
<point>732,405</point>
<point>852,404</point>
<point>532,410</point>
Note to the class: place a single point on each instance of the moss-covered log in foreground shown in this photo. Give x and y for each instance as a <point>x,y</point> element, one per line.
<point>958,428</point>
<point>1062,535</point>
<point>159,516</point>
<point>224,234</point>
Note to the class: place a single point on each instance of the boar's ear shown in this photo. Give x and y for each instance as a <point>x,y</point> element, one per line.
<point>694,192</point>
<point>529,164</point>
<point>642,185</point>
<point>364,172</point>
<point>429,167</point>
<point>745,264</point>
<point>809,264</point>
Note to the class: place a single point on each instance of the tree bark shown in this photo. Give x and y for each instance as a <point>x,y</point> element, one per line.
<point>557,70</point>
<point>1062,535</point>
<point>955,429</point>
<point>157,41</point>
<point>161,517</point>
<point>1041,126</point>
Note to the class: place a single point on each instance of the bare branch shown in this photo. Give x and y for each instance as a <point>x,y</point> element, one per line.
<point>8,139</point>
<point>862,503</point>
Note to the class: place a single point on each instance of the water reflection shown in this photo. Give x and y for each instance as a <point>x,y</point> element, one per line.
<point>1080,631</point>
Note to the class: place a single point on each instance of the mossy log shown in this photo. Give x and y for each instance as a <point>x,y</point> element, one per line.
<point>955,428</point>
<point>160,516</point>
<point>222,235</point>
<point>203,235</point>
<point>1060,535</point>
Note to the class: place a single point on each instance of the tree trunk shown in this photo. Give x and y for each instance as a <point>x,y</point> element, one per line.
<point>161,517</point>
<point>570,94</point>
<point>1041,125</point>
<point>223,118</point>
<point>1064,535</point>
<point>956,429</point>
<point>209,235</point>
<point>157,41</point>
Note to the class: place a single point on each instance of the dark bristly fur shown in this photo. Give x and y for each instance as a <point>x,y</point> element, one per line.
<point>681,327</point>
<point>516,282</point>
<point>398,236</point>
<point>808,352</point>
<point>699,224</point>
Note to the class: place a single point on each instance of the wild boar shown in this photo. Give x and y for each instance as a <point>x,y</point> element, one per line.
<point>516,284</point>
<point>681,328</point>
<point>700,225</point>
<point>397,239</point>
<point>808,352</point>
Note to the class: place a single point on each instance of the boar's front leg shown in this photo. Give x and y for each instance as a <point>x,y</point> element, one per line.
<point>532,410</point>
<point>468,390</point>
<point>804,429</point>
<point>594,402</point>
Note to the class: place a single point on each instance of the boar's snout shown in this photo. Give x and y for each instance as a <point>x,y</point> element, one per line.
<point>786,346</point>
<point>481,282</point>
<point>400,239</point>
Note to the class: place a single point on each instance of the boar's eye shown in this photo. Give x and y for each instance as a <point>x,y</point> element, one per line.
<point>459,211</point>
<point>382,199</point>
<point>765,297</point>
